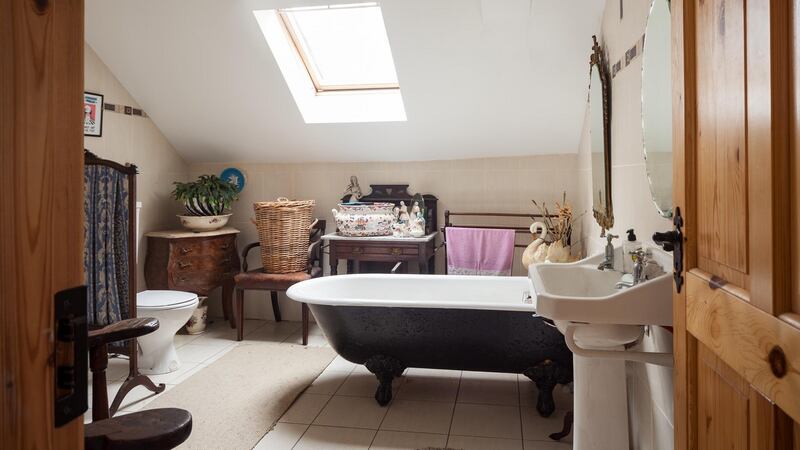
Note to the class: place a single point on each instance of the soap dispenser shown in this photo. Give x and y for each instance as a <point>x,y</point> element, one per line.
<point>629,247</point>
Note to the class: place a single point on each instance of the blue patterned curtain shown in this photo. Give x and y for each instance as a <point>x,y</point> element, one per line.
<point>106,244</point>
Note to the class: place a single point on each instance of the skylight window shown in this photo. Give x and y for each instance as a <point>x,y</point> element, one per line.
<point>337,62</point>
<point>342,47</point>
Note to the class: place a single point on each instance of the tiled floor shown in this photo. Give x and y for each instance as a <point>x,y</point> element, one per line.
<point>431,408</point>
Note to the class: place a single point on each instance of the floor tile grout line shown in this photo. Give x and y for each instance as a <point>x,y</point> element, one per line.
<point>453,413</point>
<point>308,427</point>
<point>312,420</point>
<point>394,397</point>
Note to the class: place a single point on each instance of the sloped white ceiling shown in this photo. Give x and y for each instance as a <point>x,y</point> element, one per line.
<point>478,79</point>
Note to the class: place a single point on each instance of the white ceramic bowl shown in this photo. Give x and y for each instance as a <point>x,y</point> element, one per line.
<point>204,223</point>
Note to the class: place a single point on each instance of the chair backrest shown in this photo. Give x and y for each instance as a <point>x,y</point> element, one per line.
<point>314,246</point>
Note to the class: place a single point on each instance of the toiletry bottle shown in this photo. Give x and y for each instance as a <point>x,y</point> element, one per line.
<point>629,247</point>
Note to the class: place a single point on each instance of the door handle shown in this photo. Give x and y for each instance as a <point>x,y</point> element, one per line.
<point>71,355</point>
<point>672,241</point>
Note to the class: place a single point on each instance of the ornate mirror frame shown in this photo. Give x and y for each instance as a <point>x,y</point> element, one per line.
<point>597,61</point>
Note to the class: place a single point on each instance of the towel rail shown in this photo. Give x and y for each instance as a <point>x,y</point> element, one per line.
<point>518,230</point>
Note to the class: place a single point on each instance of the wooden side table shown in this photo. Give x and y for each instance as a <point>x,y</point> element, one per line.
<point>195,262</point>
<point>382,249</point>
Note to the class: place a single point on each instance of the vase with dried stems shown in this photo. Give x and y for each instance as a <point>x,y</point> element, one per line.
<point>559,224</point>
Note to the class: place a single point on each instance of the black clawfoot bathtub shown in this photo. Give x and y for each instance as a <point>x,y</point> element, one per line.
<point>391,322</point>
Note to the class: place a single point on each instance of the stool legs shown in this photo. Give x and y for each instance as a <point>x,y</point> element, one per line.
<point>239,314</point>
<point>276,309</point>
<point>305,324</point>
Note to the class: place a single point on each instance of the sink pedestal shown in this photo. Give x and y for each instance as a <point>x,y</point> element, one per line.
<point>601,404</point>
<point>598,319</point>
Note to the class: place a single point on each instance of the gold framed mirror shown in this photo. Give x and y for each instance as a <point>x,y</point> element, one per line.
<point>600,133</point>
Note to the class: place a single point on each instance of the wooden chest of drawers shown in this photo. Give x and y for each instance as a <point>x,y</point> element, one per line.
<point>193,262</point>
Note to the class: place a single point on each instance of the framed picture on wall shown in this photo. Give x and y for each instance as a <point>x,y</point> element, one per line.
<point>92,114</point>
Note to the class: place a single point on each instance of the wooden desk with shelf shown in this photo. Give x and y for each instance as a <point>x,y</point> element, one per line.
<point>386,249</point>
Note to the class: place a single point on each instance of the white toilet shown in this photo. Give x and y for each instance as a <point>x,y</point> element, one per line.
<point>172,309</point>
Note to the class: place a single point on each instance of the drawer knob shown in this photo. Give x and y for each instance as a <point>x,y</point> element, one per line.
<point>184,265</point>
<point>224,246</point>
<point>185,250</point>
<point>357,250</point>
<point>396,251</point>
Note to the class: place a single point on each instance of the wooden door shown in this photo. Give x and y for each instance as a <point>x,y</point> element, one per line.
<point>41,207</point>
<point>737,332</point>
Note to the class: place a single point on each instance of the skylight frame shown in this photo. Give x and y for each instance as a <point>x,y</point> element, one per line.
<point>286,22</point>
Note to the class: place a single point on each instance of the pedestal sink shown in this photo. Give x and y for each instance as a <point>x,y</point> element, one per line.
<point>598,320</point>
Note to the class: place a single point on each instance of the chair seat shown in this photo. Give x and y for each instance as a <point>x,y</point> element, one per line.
<point>153,429</point>
<point>258,279</point>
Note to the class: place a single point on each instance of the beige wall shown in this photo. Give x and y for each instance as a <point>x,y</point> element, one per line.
<point>483,185</point>
<point>650,387</point>
<point>137,140</point>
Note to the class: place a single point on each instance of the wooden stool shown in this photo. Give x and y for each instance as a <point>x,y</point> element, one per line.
<point>153,429</point>
<point>277,282</point>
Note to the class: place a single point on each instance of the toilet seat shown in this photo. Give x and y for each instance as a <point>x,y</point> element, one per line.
<point>164,300</point>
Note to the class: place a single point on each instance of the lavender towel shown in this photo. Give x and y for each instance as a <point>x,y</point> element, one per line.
<point>479,251</point>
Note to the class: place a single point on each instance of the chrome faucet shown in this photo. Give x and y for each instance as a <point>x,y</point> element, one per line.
<point>641,258</point>
<point>608,262</point>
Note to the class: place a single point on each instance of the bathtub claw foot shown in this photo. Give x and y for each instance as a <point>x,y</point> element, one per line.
<point>385,369</point>
<point>383,395</point>
<point>546,375</point>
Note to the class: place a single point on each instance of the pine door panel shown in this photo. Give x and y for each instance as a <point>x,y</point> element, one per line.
<point>721,140</point>
<point>41,203</point>
<point>737,341</point>
<point>722,403</point>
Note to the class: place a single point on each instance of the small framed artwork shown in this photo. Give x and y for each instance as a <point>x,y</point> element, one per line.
<point>92,114</point>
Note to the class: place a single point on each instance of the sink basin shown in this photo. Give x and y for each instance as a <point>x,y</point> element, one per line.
<point>579,292</point>
<point>598,320</point>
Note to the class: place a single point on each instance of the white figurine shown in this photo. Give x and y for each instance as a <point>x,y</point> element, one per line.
<point>353,190</point>
<point>417,225</point>
<point>404,217</point>
<point>401,227</point>
<point>529,255</point>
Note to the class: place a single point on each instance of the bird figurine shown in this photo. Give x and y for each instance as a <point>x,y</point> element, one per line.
<point>536,251</point>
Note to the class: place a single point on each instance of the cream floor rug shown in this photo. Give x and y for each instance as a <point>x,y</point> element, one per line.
<point>238,398</point>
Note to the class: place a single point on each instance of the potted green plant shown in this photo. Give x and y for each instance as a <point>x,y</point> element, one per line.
<point>207,201</point>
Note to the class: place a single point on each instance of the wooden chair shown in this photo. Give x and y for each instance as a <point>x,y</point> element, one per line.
<point>257,279</point>
<point>98,359</point>
<point>153,429</point>
<point>156,429</point>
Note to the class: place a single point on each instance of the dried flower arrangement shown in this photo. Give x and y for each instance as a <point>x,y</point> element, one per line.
<point>559,225</point>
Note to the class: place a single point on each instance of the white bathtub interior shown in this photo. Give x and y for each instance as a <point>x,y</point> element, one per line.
<point>418,291</point>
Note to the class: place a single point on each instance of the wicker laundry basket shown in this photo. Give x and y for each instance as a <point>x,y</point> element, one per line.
<point>283,231</point>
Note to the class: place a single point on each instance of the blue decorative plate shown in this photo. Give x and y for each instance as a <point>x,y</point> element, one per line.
<point>234,176</point>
